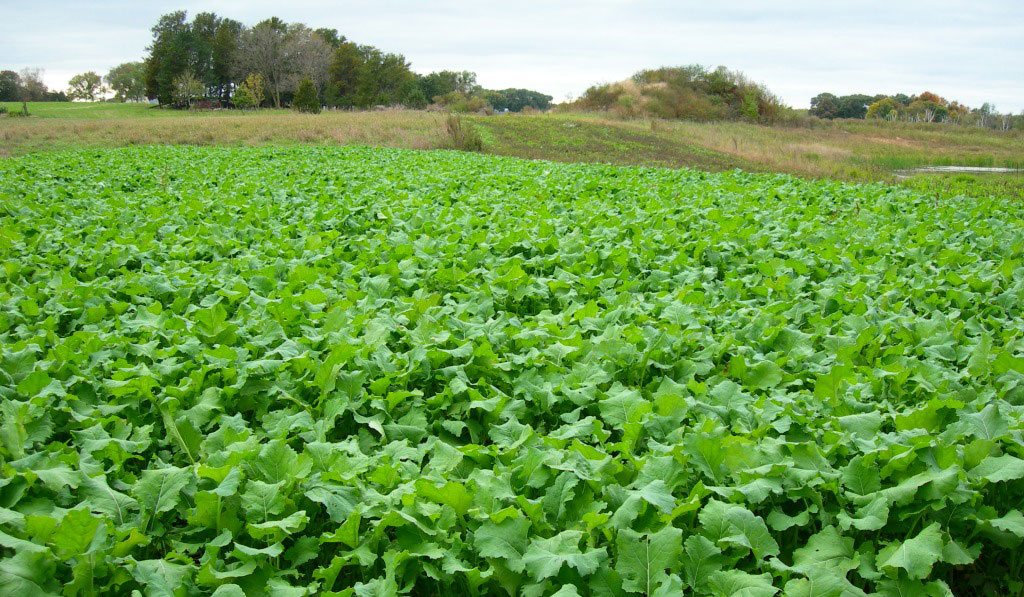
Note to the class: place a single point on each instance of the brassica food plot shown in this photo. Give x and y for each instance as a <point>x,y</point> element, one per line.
<point>376,372</point>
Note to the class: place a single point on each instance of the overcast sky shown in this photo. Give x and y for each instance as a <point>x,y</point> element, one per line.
<point>969,51</point>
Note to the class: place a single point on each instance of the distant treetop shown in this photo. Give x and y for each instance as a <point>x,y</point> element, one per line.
<point>926,107</point>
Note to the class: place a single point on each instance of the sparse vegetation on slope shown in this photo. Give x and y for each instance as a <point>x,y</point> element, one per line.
<point>687,92</point>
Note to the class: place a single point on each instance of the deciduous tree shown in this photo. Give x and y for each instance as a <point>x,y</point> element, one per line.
<point>32,88</point>
<point>10,86</point>
<point>261,50</point>
<point>885,109</point>
<point>308,57</point>
<point>168,56</point>
<point>187,88</point>
<point>128,81</point>
<point>225,48</point>
<point>86,86</point>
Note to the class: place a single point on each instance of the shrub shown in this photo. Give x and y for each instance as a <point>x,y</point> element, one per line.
<point>306,99</point>
<point>250,93</point>
<point>688,92</point>
<point>460,135</point>
<point>14,113</point>
<point>462,103</point>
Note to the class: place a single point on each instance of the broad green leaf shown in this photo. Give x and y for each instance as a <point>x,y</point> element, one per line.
<point>229,485</point>
<point>987,424</point>
<point>917,555</point>
<point>288,525</point>
<point>1011,522</point>
<point>763,375</point>
<point>870,517</point>
<point>623,405</point>
<point>21,545</point>
<point>734,524</point>
<point>262,501</point>
<point>999,468</point>
<point>700,558</point>
<point>827,550</point>
<point>559,495</point>
<point>159,490</point>
<point>101,498</point>
<point>75,533</point>
<point>545,557</point>
<point>228,590</point>
<point>506,540</point>
<point>451,494</point>
<point>566,591</point>
<point>737,583</point>
<point>860,478</point>
<point>339,500</point>
<point>160,577</point>
<point>27,573</point>
<point>819,585</point>
<point>642,559</point>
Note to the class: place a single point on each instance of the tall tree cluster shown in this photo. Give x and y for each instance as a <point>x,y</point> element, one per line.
<point>27,86</point>
<point>222,54</point>
<point>204,49</point>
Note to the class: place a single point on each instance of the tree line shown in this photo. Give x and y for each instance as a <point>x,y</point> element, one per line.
<point>27,86</point>
<point>218,61</point>
<point>266,64</point>
<point>926,107</point>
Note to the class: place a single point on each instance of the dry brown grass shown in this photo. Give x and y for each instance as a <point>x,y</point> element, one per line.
<point>822,150</point>
<point>392,128</point>
<point>853,150</point>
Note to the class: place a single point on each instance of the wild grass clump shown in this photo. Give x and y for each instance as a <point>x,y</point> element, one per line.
<point>461,136</point>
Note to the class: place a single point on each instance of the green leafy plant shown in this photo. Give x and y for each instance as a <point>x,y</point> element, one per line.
<point>355,371</point>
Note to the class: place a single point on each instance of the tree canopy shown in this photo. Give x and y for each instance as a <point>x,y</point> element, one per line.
<point>27,86</point>
<point>222,54</point>
<point>86,86</point>
<point>926,107</point>
<point>128,81</point>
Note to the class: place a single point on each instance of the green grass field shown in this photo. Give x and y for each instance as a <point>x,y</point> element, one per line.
<point>365,371</point>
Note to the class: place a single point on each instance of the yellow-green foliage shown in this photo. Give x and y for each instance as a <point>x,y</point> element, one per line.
<point>250,93</point>
<point>460,102</point>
